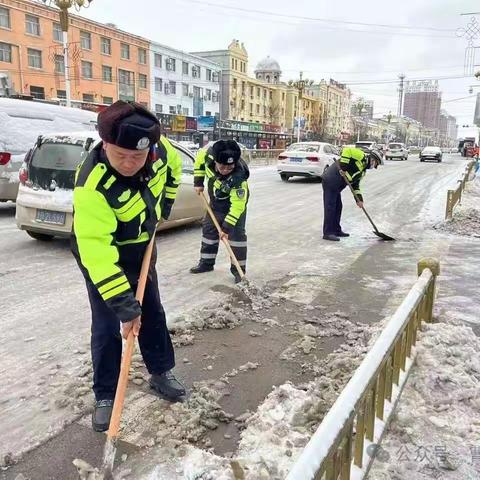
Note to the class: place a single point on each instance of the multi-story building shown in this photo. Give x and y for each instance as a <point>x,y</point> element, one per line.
<point>337,99</point>
<point>260,110</point>
<point>183,83</point>
<point>422,102</point>
<point>105,63</point>
<point>448,129</point>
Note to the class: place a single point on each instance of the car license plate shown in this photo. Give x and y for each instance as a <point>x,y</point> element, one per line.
<point>49,216</point>
<point>296,160</point>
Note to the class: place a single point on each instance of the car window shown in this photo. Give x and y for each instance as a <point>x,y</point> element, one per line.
<point>58,156</point>
<point>303,147</point>
<point>187,162</point>
<point>328,149</point>
<point>395,145</point>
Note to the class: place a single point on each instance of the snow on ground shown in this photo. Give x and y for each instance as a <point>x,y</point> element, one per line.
<point>435,432</point>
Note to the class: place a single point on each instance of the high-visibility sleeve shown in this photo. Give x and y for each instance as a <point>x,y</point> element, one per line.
<point>174,169</point>
<point>238,204</point>
<point>199,168</point>
<point>94,223</point>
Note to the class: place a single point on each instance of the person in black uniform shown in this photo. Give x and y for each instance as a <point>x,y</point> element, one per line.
<point>353,165</point>
<point>122,189</point>
<point>227,186</point>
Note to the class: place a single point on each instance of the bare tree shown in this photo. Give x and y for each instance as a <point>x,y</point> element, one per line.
<point>273,111</point>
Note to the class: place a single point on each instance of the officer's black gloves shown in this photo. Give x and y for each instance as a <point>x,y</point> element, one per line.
<point>167,205</point>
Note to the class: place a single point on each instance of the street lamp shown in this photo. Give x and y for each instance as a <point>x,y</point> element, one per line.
<point>64,5</point>
<point>300,86</point>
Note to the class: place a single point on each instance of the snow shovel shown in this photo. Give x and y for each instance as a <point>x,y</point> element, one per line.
<point>383,236</point>
<point>112,434</point>
<point>227,245</point>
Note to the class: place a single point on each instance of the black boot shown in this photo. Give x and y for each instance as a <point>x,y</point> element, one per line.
<point>167,385</point>
<point>101,415</point>
<point>332,238</point>
<point>202,268</point>
<point>341,233</point>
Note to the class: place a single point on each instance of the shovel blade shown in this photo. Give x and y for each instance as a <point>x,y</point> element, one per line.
<point>383,236</point>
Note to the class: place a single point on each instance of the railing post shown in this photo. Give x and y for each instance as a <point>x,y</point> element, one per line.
<point>448,212</point>
<point>434,266</point>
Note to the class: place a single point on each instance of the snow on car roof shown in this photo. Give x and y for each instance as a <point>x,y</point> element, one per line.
<point>70,137</point>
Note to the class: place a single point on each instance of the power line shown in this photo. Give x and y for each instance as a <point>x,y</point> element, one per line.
<point>316,19</point>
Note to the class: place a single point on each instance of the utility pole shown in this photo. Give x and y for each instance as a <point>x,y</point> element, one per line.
<point>400,94</point>
<point>64,5</point>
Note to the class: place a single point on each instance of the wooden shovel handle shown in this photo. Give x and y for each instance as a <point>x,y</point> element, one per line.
<point>128,353</point>
<point>220,231</point>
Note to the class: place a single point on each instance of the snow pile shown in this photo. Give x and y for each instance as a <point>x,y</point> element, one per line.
<point>436,428</point>
<point>60,199</point>
<point>466,217</point>
<point>466,221</point>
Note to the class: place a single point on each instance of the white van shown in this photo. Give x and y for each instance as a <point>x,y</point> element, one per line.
<point>21,122</point>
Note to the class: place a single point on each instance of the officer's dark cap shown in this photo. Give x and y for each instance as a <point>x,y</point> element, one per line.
<point>128,125</point>
<point>226,152</point>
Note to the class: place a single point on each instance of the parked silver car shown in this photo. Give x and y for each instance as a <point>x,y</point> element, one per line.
<point>45,197</point>
<point>21,122</point>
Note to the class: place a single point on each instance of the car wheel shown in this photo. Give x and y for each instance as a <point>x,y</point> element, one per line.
<point>421,159</point>
<point>43,237</point>
<point>284,177</point>
<point>439,160</point>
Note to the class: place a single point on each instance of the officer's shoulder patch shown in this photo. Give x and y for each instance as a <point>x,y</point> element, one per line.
<point>124,196</point>
<point>240,193</point>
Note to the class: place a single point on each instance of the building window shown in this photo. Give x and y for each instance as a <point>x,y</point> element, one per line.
<point>57,32</point>
<point>158,84</point>
<point>106,73</point>
<point>208,94</point>
<point>264,110</point>
<point>157,59</point>
<point>264,94</point>
<point>5,52</point>
<point>32,25</point>
<point>142,56</point>
<point>233,63</point>
<point>107,100</point>
<point>208,73</point>
<point>37,92</point>
<point>251,109</point>
<point>258,92</point>
<point>59,64</point>
<point>142,80</point>
<point>85,40</point>
<point>171,64</point>
<point>172,109</point>
<point>196,71</point>
<point>185,111</point>
<point>105,46</point>
<point>234,83</point>
<point>258,109</point>
<point>62,94</point>
<point>125,51</point>
<point>208,114</point>
<point>185,68</point>
<point>158,108</point>
<point>88,97</point>
<point>124,77</point>
<point>271,95</point>
<point>185,89</point>
<point>172,87</point>
<point>87,69</point>
<point>34,58</point>
<point>4,17</point>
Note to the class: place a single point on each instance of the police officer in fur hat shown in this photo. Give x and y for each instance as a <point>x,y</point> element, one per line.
<point>122,190</point>
<point>226,175</point>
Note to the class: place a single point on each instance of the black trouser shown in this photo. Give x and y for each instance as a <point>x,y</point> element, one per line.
<point>332,203</point>
<point>106,342</point>
<point>237,239</point>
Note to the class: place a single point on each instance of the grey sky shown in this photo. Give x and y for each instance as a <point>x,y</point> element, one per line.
<point>358,55</point>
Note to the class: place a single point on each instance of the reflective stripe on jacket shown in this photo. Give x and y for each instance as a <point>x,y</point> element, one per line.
<point>115,217</point>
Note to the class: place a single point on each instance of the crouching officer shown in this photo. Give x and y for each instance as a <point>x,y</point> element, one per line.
<point>122,189</point>
<point>353,165</point>
<point>227,186</point>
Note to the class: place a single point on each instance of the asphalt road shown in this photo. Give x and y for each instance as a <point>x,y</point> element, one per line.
<point>44,330</point>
